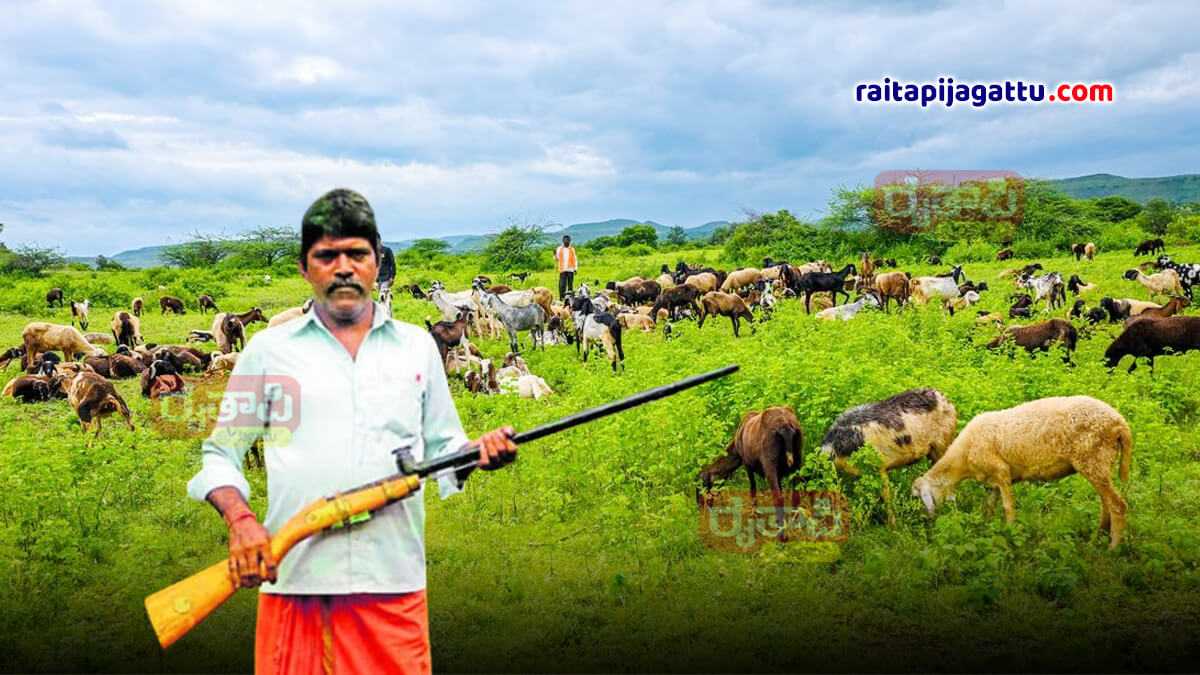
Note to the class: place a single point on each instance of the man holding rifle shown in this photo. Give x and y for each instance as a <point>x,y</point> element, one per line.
<point>350,600</point>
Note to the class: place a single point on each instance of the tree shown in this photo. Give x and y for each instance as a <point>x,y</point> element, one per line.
<point>108,264</point>
<point>427,248</point>
<point>515,248</point>
<point>1115,208</point>
<point>204,250</point>
<point>676,237</point>
<point>31,260</point>
<point>1157,216</point>
<point>639,234</point>
<point>264,246</point>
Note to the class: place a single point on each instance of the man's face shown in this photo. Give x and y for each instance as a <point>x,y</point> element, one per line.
<point>566,241</point>
<point>342,271</point>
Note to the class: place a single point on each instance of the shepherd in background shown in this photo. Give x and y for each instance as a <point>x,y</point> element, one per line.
<point>564,256</point>
<point>387,274</point>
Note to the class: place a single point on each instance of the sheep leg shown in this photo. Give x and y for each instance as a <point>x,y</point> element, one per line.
<point>1006,496</point>
<point>887,496</point>
<point>734,319</point>
<point>1112,505</point>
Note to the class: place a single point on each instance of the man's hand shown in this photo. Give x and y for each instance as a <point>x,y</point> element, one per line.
<point>250,559</point>
<point>496,448</point>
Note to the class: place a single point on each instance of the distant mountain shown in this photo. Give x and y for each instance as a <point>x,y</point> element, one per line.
<point>581,233</point>
<point>1177,189</point>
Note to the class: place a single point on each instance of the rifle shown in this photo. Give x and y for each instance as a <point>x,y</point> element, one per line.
<point>177,609</point>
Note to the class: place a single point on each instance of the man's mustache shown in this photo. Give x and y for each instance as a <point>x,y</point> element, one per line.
<point>333,288</point>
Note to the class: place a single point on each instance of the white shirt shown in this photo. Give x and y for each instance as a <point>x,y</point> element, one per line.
<point>352,414</point>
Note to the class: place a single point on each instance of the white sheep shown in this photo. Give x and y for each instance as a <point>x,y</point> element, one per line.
<point>221,362</point>
<point>1044,439</point>
<point>289,314</point>
<point>850,310</point>
<point>924,289</point>
<point>1165,282</point>
<point>41,336</point>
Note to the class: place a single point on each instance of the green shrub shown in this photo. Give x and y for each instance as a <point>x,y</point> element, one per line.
<point>970,251</point>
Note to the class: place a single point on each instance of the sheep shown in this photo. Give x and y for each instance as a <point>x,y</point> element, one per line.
<point>515,377</point>
<point>136,306</point>
<point>40,336</point>
<point>447,334</point>
<point>99,338</point>
<point>79,312</point>
<point>1048,286</point>
<point>222,362</point>
<point>34,388</point>
<point>183,358</point>
<point>1045,439</point>
<point>175,305</point>
<point>665,280</point>
<point>11,354</point>
<point>1078,286</point>
<point>54,295</point>
<point>599,326</point>
<point>126,329</point>
<point>1152,337</point>
<point>923,289</point>
<point>161,379</point>
<point>520,277</point>
<point>934,260</point>
<point>1004,254</point>
<point>902,429</point>
<point>1119,310</point>
<point>725,304</point>
<point>1189,274</point>
<point>115,366</point>
<point>93,398</point>
<point>673,299</point>
<point>1165,282</point>
<point>1039,336</point>
<point>892,286</point>
<point>740,279</point>
<point>44,364</point>
<point>769,443</point>
<point>1149,247</point>
<point>632,293</point>
<point>206,302</point>
<point>702,282</point>
<point>1081,250</point>
<point>289,314</point>
<point>196,335</point>
<point>632,320</point>
<point>850,310</point>
<point>1174,306</point>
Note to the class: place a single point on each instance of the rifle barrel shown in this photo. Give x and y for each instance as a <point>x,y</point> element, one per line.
<point>464,456</point>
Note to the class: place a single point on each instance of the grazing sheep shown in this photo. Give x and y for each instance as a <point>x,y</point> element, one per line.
<point>1048,286</point>
<point>206,302</point>
<point>196,335</point>
<point>1174,306</point>
<point>126,329</point>
<point>137,305</point>
<point>1078,286</point>
<point>1189,273</point>
<point>175,305</point>
<point>1042,440</point>
<point>93,398</point>
<point>702,282</point>
<point>869,298</point>
<point>11,354</point>
<point>739,279</point>
<point>1039,336</point>
<point>289,314</point>
<point>54,295</point>
<point>820,282</point>
<point>892,286</point>
<point>115,366</point>
<point>902,429</point>
<point>665,279</point>
<point>1165,282</point>
<point>725,304</point>
<point>632,293</point>
<point>674,299</point>
<point>1004,254</point>
<point>1151,338</point>
<point>1149,247</point>
<point>923,289</point>
<point>769,443</point>
<point>1120,310</point>
<point>79,312</point>
<point>40,336</point>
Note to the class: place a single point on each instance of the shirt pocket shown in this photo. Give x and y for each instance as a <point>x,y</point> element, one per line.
<point>395,402</point>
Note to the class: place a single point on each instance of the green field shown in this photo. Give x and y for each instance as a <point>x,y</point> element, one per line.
<point>585,554</point>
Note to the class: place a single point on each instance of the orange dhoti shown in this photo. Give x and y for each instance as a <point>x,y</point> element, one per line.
<point>342,634</point>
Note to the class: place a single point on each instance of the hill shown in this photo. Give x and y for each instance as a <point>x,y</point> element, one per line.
<point>1176,189</point>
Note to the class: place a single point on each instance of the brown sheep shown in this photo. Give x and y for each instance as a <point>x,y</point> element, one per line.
<point>1174,306</point>
<point>702,282</point>
<point>40,336</point>
<point>498,289</point>
<point>892,286</point>
<point>1151,338</point>
<point>34,388</point>
<point>768,443</point>
<point>447,334</point>
<point>54,295</point>
<point>167,302</point>
<point>739,279</point>
<point>725,304</point>
<point>137,305</point>
<point>127,329</point>
<point>161,379</point>
<point>11,354</point>
<point>93,398</point>
<point>1039,336</point>
<point>206,302</point>
<point>115,366</point>
<point>631,320</point>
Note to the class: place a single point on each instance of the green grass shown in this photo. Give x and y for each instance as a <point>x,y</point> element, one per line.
<point>584,556</point>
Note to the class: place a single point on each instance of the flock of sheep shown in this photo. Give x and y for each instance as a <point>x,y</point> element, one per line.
<point>1040,440</point>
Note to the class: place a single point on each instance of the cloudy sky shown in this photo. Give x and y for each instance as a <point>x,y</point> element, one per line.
<point>135,123</point>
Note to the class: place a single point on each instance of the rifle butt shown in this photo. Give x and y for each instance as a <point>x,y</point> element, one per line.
<point>177,609</point>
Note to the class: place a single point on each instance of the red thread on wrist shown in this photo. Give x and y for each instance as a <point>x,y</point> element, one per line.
<point>240,516</point>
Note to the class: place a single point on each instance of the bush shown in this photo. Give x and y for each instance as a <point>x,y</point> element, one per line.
<point>1118,236</point>
<point>1034,248</point>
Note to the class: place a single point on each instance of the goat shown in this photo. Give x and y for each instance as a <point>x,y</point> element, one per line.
<point>290,313</point>
<point>673,299</point>
<point>601,326</point>
<point>1120,310</point>
<point>725,304</point>
<point>167,302</point>
<point>923,289</point>
<point>1004,254</point>
<point>820,282</point>
<point>1078,286</point>
<point>1165,282</point>
<point>54,295</point>
<point>1152,337</point>
<point>1149,247</point>
<point>1081,250</point>
<point>1039,336</point>
<point>531,318</point>
<point>40,336</point>
<point>79,312</point>
<point>739,279</point>
<point>126,329</point>
<point>206,302</point>
<point>1041,440</point>
<point>519,276</point>
<point>137,305</point>
<point>768,443</point>
<point>902,429</point>
<point>849,311</point>
<point>447,334</point>
<point>1048,286</point>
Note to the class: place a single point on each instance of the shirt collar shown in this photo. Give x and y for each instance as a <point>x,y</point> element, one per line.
<point>381,318</point>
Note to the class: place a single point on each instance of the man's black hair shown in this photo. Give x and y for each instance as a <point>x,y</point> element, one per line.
<point>338,213</point>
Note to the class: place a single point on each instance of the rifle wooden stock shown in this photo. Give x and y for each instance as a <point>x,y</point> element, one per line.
<point>177,609</point>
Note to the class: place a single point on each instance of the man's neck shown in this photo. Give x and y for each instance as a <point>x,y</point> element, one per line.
<point>349,333</point>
